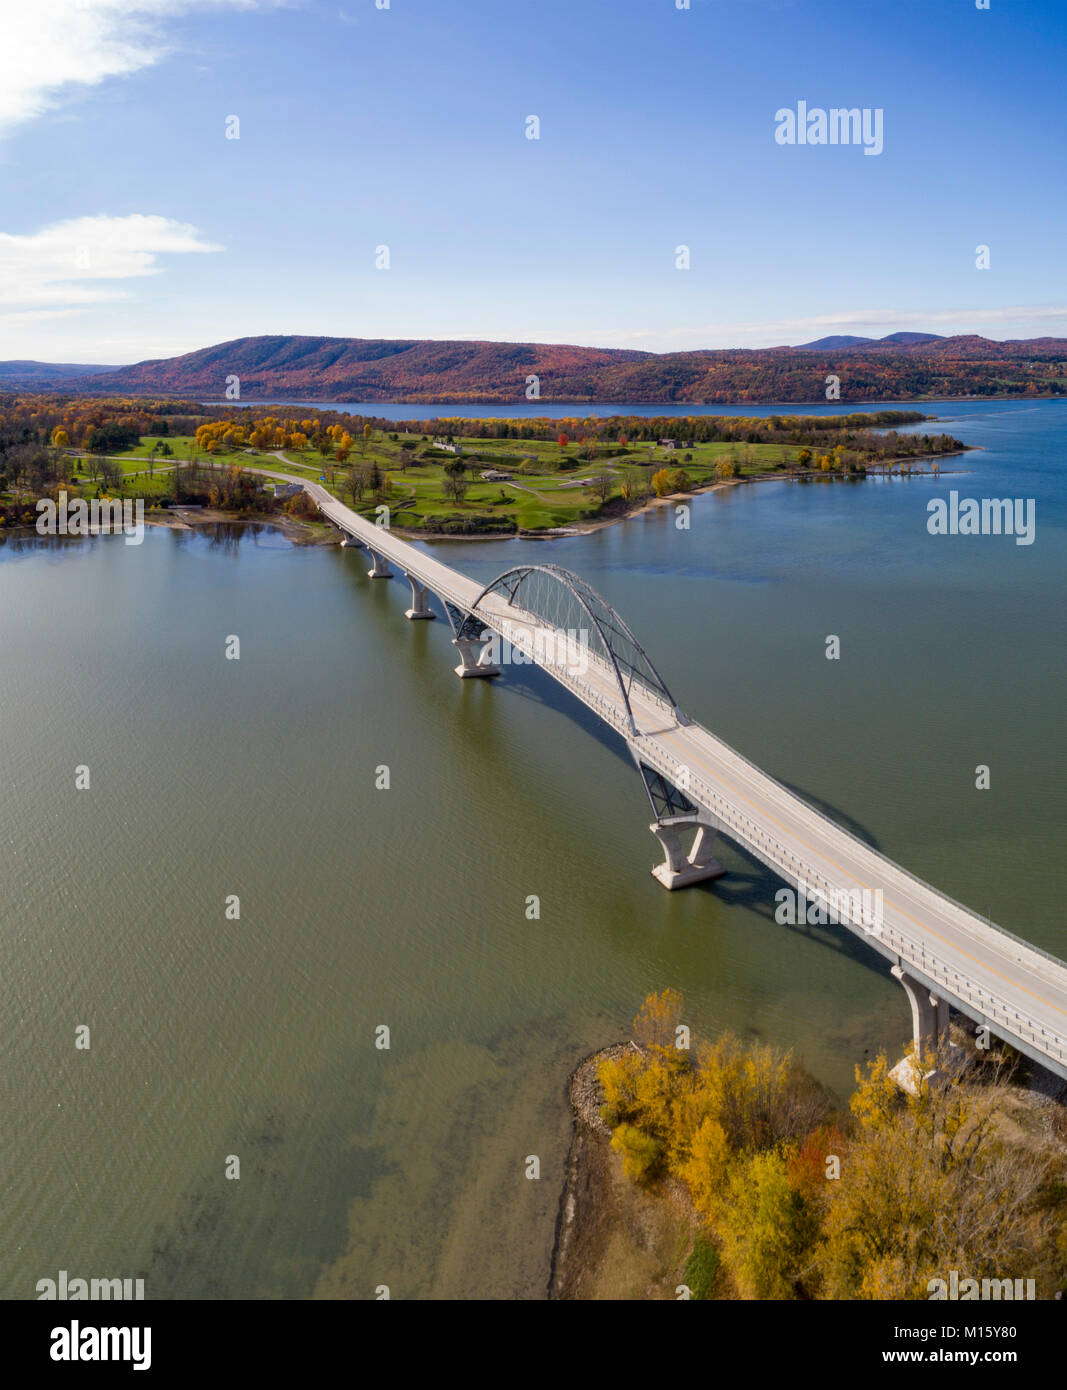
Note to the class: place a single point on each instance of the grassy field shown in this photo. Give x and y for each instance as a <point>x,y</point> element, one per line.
<point>550,486</point>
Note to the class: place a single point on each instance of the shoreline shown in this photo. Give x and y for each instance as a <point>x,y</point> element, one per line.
<point>599,405</point>
<point>613,1239</point>
<point>585,528</point>
<point>299,532</point>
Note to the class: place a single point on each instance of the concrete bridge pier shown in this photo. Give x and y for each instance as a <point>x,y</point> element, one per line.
<point>473,652</point>
<point>381,568</point>
<point>349,541</point>
<point>420,600</point>
<point>679,869</point>
<point>929,1031</point>
<point>929,1013</point>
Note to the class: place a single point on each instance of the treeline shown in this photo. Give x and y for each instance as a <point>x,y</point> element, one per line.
<point>95,425</point>
<point>797,1201</point>
<point>799,378</point>
<point>697,429</point>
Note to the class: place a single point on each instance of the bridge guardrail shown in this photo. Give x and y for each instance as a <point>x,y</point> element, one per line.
<point>910,951</point>
<point>965,913</point>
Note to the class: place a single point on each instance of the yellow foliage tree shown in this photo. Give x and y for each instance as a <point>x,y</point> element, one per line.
<point>640,1152</point>
<point>765,1227</point>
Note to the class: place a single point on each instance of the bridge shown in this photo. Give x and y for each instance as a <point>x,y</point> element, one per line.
<point>698,788</point>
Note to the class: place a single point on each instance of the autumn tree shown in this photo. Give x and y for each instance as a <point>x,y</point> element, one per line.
<point>641,1153</point>
<point>455,481</point>
<point>931,1184</point>
<point>601,486</point>
<point>356,483</point>
<point>656,1024</point>
<point>766,1227</point>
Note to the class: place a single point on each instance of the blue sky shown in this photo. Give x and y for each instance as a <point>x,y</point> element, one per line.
<point>131,227</point>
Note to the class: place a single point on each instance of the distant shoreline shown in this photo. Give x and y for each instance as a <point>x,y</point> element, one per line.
<point>300,532</point>
<point>584,528</point>
<point>623,406</point>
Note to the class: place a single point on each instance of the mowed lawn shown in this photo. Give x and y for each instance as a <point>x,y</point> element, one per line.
<point>545,489</point>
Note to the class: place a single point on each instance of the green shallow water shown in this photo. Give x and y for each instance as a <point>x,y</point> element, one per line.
<point>406,907</point>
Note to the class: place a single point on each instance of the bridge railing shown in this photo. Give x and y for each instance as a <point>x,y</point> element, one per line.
<point>966,916</point>
<point>992,1007</point>
<point>909,950</point>
<point>522,616</point>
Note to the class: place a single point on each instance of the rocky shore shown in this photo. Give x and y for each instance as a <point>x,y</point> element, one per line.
<point>614,1240</point>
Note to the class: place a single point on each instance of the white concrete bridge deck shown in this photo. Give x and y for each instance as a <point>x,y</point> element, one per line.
<point>984,971</point>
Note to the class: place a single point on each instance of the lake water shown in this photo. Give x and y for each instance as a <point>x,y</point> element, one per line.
<point>406,907</point>
<point>556,410</point>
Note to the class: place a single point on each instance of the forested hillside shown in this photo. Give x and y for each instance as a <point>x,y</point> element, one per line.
<point>359,369</point>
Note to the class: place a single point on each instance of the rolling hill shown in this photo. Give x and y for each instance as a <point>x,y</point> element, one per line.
<point>902,366</point>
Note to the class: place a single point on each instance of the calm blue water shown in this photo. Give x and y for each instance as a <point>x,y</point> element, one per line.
<point>522,410</point>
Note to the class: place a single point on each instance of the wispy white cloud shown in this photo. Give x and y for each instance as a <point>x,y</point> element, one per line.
<point>53,47</point>
<point>76,262</point>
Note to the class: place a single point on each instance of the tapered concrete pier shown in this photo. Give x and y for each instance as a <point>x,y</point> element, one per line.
<point>679,869</point>
<point>420,600</point>
<point>988,975</point>
<point>471,651</point>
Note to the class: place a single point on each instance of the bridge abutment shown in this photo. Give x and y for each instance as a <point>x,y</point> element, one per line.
<point>420,600</point>
<point>679,869</point>
<point>471,651</point>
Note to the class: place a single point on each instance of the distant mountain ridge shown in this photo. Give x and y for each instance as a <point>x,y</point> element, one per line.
<point>901,366</point>
<point>845,341</point>
<point>37,373</point>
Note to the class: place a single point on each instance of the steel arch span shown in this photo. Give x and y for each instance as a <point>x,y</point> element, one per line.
<point>555,598</point>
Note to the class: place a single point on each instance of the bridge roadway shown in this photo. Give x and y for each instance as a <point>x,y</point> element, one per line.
<point>984,971</point>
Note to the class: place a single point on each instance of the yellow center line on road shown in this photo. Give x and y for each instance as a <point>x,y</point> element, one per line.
<point>923,926</point>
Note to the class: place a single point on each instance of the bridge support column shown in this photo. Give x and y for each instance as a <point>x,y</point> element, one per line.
<point>381,568</point>
<point>679,869</point>
<point>929,1031</point>
<point>472,650</point>
<point>929,1014</point>
<point>420,601</point>
<point>349,541</point>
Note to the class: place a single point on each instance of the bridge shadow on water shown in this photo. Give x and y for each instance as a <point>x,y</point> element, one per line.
<point>748,883</point>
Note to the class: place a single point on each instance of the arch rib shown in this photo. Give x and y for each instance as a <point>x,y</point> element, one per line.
<point>511,581</point>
